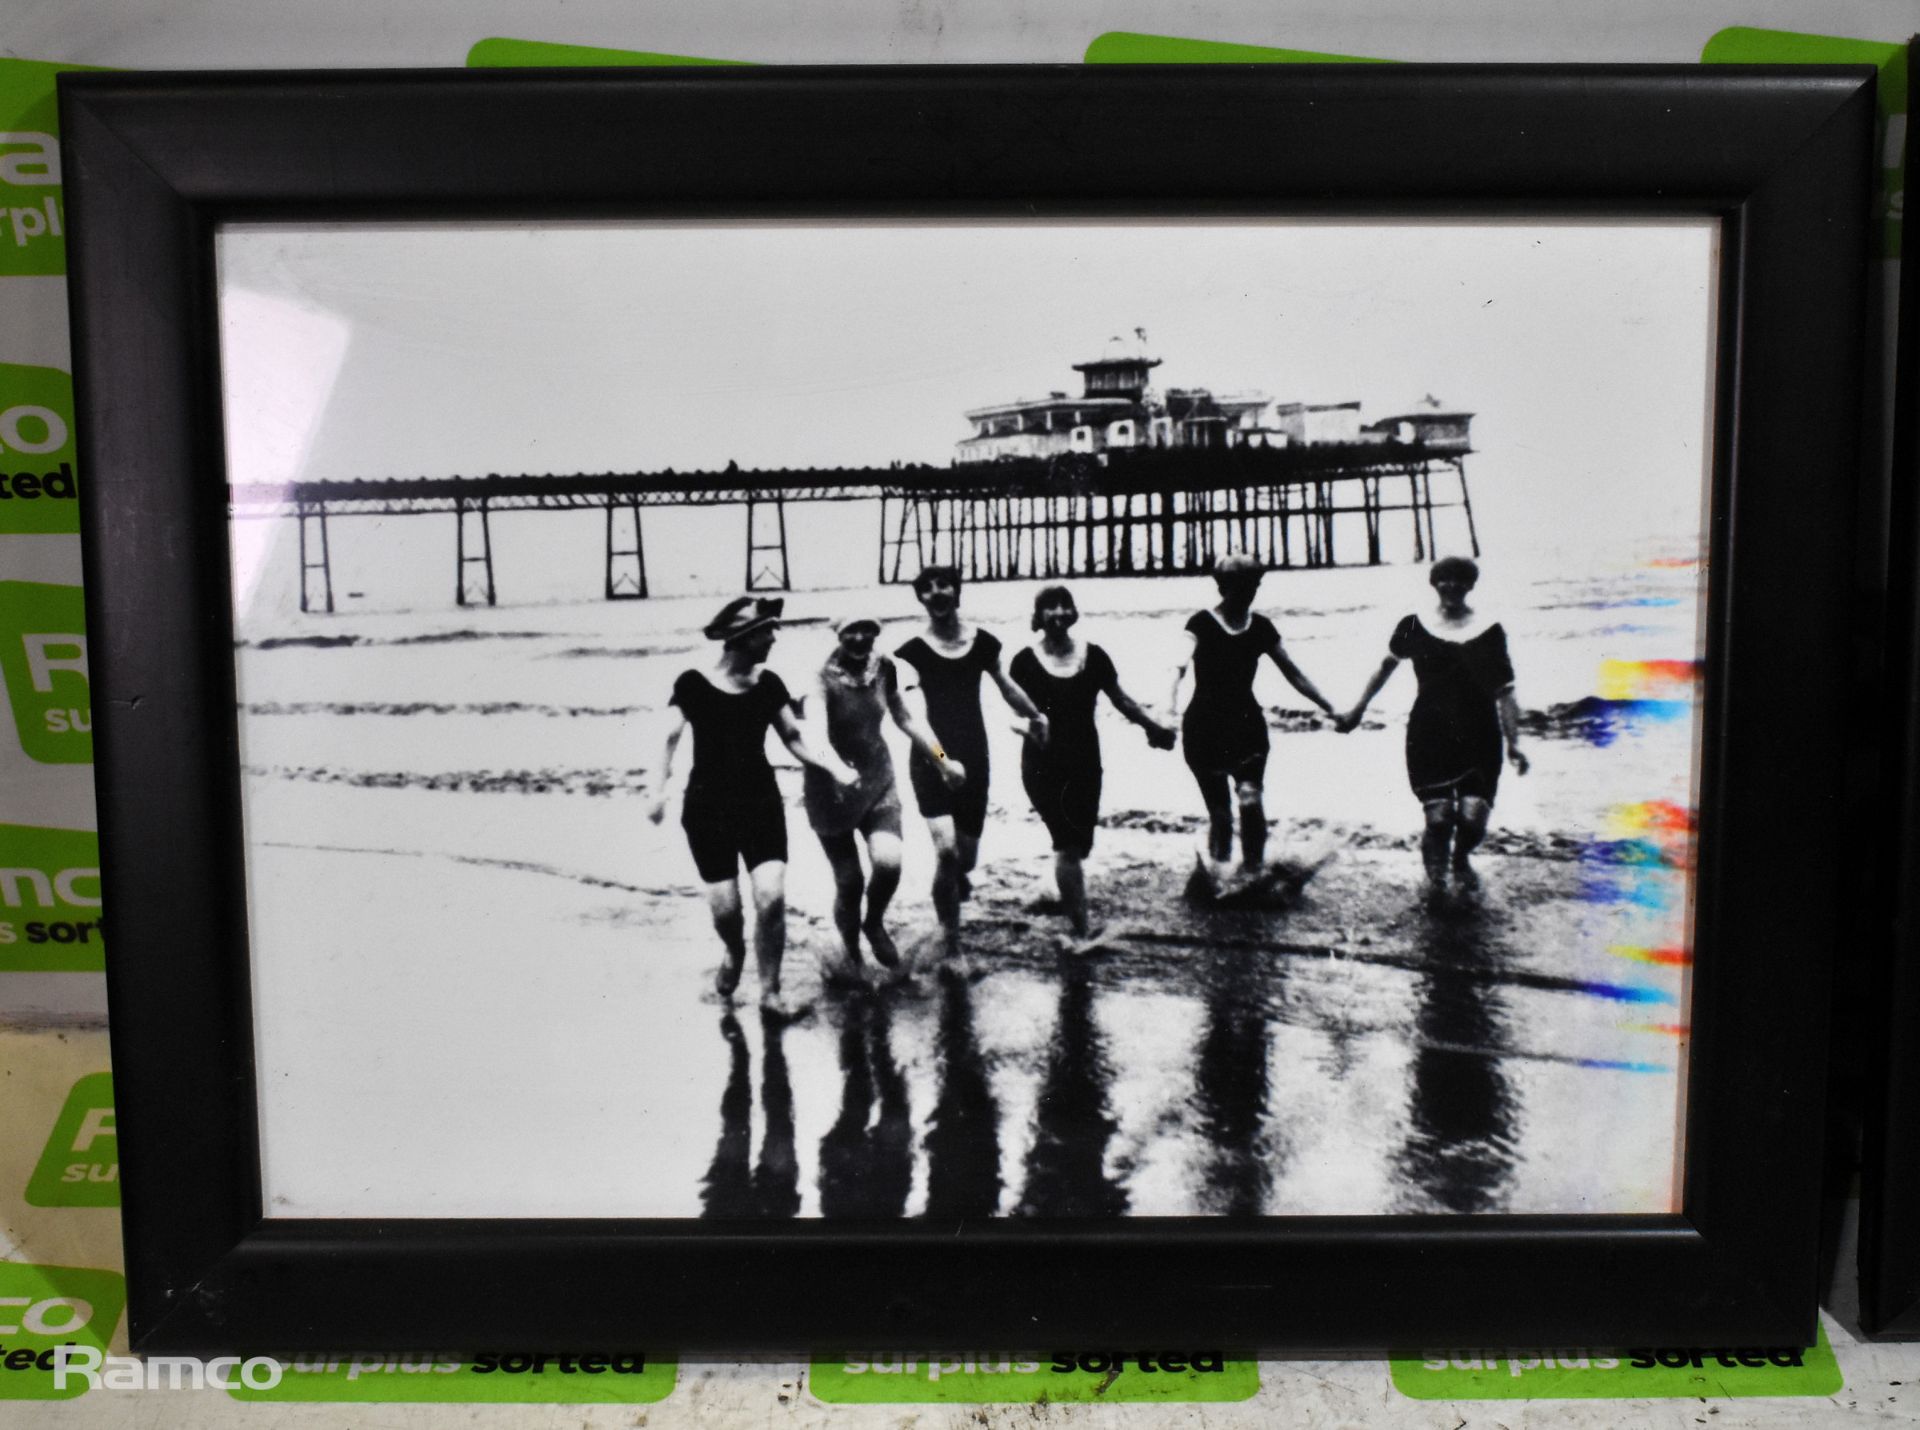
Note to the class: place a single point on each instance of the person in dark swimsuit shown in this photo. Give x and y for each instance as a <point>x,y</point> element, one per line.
<point>951,789</point>
<point>732,813</point>
<point>1224,732</point>
<point>1065,679</point>
<point>857,690</point>
<point>1464,711</point>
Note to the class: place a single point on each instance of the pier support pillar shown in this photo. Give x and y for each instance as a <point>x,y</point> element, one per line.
<point>473,552</point>
<point>626,551</point>
<point>767,544</point>
<point>1466,505</point>
<point>1370,505</point>
<point>316,568</point>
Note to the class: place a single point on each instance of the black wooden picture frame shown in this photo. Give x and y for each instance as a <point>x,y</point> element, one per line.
<point>1782,157</point>
<point>1889,1247</point>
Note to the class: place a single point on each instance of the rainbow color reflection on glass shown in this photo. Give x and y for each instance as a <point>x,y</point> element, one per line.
<point>1664,957</point>
<point>1648,679</point>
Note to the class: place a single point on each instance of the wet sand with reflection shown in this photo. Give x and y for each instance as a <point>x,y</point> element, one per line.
<point>1272,1062</point>
<point>503,1005</point>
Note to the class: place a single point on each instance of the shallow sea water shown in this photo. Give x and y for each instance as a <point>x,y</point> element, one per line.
<point>481,973</point>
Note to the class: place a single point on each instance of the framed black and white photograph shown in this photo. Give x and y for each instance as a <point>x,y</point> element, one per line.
<point>771,493</point>
<point>1126,691</point>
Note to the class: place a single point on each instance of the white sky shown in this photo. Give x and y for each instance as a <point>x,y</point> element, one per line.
<point>370,351</point>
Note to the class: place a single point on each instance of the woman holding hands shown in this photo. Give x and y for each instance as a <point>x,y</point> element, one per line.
<point>1463,713</point>
<point>1065,679</point>
<point>732,812</point>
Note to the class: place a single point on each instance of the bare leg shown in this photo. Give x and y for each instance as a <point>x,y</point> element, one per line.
<point>1468,832</point>
<point>946,880</point>
<point>849,883</point>
<point>1072,879</point>
<point>1217,791</point>
<point>769,928</point>
<point>723,904</point>
<point>883,853</point>
<point>969,852</point>
<point>1437,842</point>
<point>1253,824</point>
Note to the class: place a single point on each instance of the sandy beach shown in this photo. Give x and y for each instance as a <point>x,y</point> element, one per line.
<point>502,1007</point>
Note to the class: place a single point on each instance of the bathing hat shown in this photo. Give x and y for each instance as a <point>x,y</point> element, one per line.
<point>743,616</point>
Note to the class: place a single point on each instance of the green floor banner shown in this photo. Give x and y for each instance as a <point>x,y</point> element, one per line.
<point>528,1378</point>
<point>985,1377</point>
<point>1643,1374</point>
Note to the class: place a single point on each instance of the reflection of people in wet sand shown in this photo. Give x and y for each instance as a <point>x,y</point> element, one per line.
<point>1065,679</point>
<point>732,812</point>
<point>1224,732</point>
<point>855,692</point>
<point>1232,1089</point>
<point>1463,1111</point>
<point>1072,1123</point>
<point>1464,710</point>
<point>949,658</point>
<point>772,1187</point>
<point>866,1162</point>
<point>963,1133</point>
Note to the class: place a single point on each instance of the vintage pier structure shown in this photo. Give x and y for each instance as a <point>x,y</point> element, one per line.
<point>1117,481</point>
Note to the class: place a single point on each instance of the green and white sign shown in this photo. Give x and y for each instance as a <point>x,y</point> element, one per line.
<point>529,1377</point>
<point>1643,1374</point>
<point>39,489</point>
<point>543,54</point>
<point>1123,47</point>
<point>1080,1377</point>
<point>50,901</point>
<point>43,1308</point>
<point>43,658</point>
<point>81,1164</point>
<point>33,216</point>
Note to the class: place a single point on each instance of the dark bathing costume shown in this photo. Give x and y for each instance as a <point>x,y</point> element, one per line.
<point>952,688</point>
<point>1063,776</point>
<point>732,813</point>
<point>856,707</point>
<point>1224,731</point>
<point>1454,740</point>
